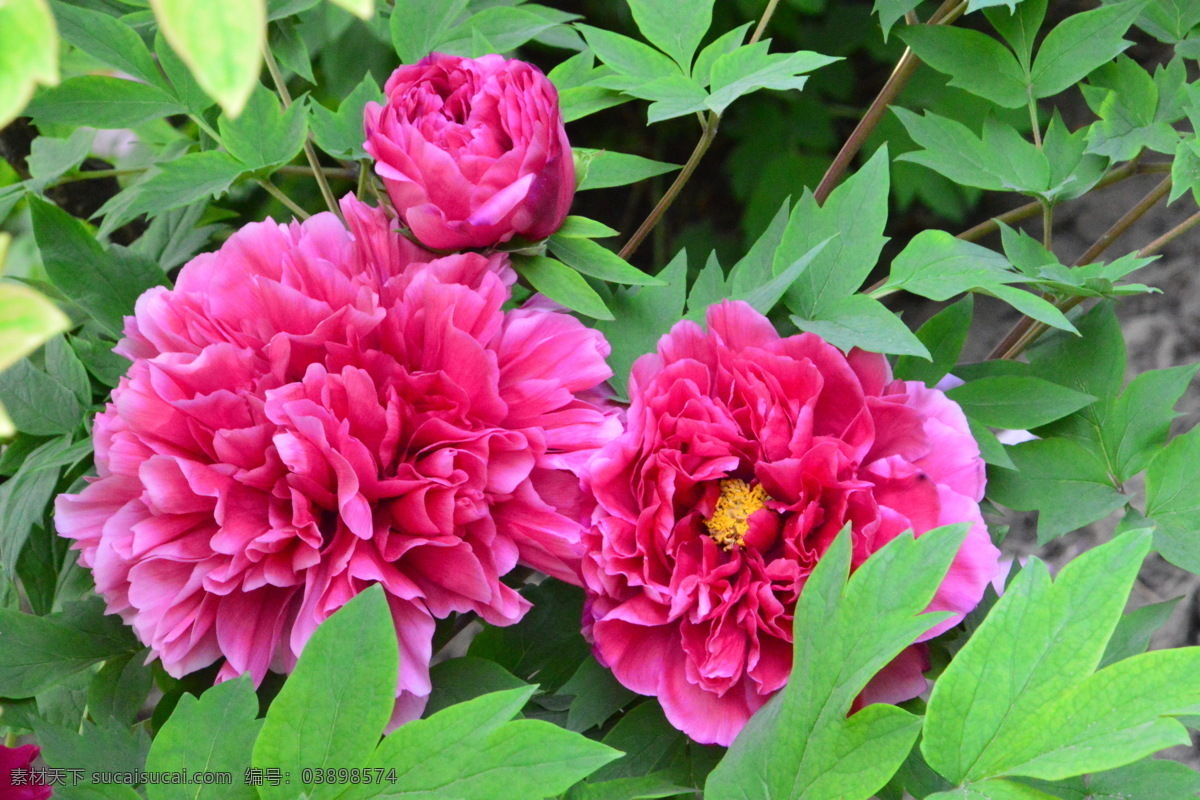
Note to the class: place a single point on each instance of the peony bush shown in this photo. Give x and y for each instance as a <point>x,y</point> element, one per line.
<point>342,459</point>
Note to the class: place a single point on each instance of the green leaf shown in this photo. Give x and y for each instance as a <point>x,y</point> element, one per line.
<point>178,183</point>
<point>26,320</point>
<point>65,367</point>
<point>1185,170</point>
<point>939,266</point>
<point>634,61</point>
<point>1132,635</point>
<point>28,53</point>
<point>225,66</point>
<point>674,26</point>
<point>802,744</point>
<point>545,646</point>
<point>108,39</point>
<point>1135,425</point>
<point>119,690</point>
<point>1044,712</point>
<point>991,450</point>
<point>1080,44</point>
<point>648,740</point>
<point>37,403</point>
<point>1125,98</point>
<point>751,68</point>
<point>943,336</point>
<point>1169,21</point>
<point>1092,363</point>
<point>40,651</point>
<point>598,261</point>
<point>1019,26</point>
<point>264,135</point>
<point>363,9</point>
<point>50,158</point>
<point>993,789</point>
<point>725,43</point>
<point>1173,500</point>
<point>974,61</point>
<point>643,787</point>
<point>1011,401</point>
<point>104,284</point>
<point>562,284</point>
<point>892,11</point>
<point>855,213</point>
<point>645,314</point>
<point>91,748</point>
<point>471,751</point>
<point>340,133</point>
<point>290,49</point>
<point>596,696</point>
<point>332,710</point>
<point>861,321</point>
<point>574,227</point>
<point>498,29</point>
<point>213,734</point>
<point>460,679</point>
<point>183,85</point>
<point>100,101</point>
<point>1067,483</point>
<point>606,168</point>
<point>24,498</point>
<point>419,26</point>
<point>672,96</point>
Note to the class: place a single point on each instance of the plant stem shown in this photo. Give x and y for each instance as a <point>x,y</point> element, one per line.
<point>364,174</point>
<point>707,135</point>
<point>278,194</point>
<point>1033,119</point>
<point>1047,225</point>
<point>1170,235</point>
<point>1120,226</point>
<point>10,740</point>
<point>309,153</point>
<point>93,174</point>
<point>204,126</point>
<point>333,172</point>
<point>908,63</point>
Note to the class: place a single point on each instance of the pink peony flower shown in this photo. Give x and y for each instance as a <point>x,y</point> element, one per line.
<point>314,410</point>
<point>472,151</point>
<point>17,779</point>
<point>744,455</point>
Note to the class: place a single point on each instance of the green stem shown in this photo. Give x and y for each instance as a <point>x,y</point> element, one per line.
<point>278,194</point>
<point>707,135</point>
<point>1033,119</point>
<point>1047,225</point>
<point>309,153</point>
<point>332,172</point>
<point>204,126</point>
<point>94,174</point>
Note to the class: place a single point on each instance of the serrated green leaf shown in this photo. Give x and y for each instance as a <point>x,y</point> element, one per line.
<point>675,26</point>
<point>939,266</point>
<point>213,734</point>
<point>264,135</point>
<point>854,214</point>
<point>973,60</point>
<point>671,96</point>
<point>1080,44</point>
<point>631,59</point>
<point>419,26</point>
<point>340,133</point>
<point>562,284</point>
<point>1036,653</point>
<point>951,149</point>
<point>104,284</point>
<point>750,68</point>
<point>290,49</point>
<point>723,44</point>
<point>28,53</point>
<point>178,183</point>
<point>596,696</point>
<point>471,751</point>
<point>100,101</point>
<point>225,66</point>
<point>332,710</point>
<point>1185,170</point>
<point>801,744</point>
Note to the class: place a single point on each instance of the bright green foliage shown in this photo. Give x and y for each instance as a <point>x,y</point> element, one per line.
<point>28,53</point>
<point>1173,500</point>
<point>264,135</point>
<point>854,215</point>
<point>175,184</point>
<point>26,319</point>
<point>1132,635</point>
<point>40,651</point>
<point>102,102</point>
<point>340,133</point>
<point>674,26</point>
<point>1132,113</point>
<point>225,66</point>
<point>859,321</point>
<point>1012,401</point>
<point>215,733</point>
<point>333,709</point>
<point>943,336</point>
<point>474,752</point>
<point>974,60</point>
<point>103,283</point>
<point>559,282</point>
<point>24,497</point>
<point>1022,697</point>
<point>419,26</point>
<point>801,744</point>
<point>592,259</point>
<point>750,68</point>
<point>108,39</point>
<point>602,169</point>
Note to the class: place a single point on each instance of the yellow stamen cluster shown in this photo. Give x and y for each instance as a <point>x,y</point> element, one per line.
<point>727,525</point>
